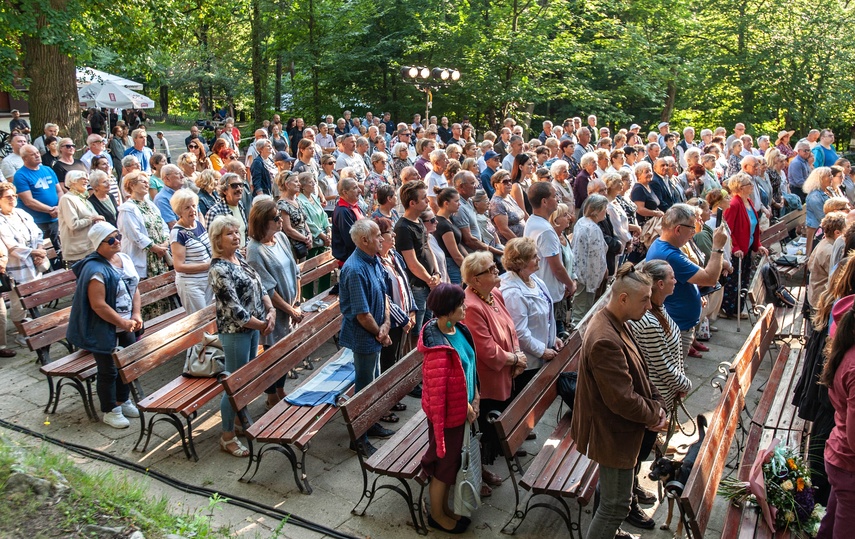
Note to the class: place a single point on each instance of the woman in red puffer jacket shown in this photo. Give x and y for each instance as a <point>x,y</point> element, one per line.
<point>449,398</point>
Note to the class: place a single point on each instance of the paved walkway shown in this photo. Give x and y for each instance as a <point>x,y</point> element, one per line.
<point>332,469</point>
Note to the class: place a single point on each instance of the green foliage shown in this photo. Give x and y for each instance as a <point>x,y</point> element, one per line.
<point>102,498</point>
<point>769,64</point>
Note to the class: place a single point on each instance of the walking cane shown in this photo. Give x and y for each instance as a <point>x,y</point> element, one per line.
<point>739,295</point>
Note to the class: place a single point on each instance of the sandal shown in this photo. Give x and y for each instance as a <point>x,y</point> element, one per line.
<point>390,418</point>
<point>400,407</point>
<point>239,449</point>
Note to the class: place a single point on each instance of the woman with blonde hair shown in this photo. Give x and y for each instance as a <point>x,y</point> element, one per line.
<point>191,252</point>
<point>530,305</point>
<point>815,189</point>
<point>207,183</point>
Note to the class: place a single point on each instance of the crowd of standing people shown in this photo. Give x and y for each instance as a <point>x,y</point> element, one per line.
<point>484,253</point>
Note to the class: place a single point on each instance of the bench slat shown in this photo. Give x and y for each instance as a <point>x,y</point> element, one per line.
<point>366,408</point>
<point>699,494</point>
<point>400,456</point>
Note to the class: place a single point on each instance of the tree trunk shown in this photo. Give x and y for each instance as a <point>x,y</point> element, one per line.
<point>53,85</point>
<point>258,79</point>
<point>164,99</point>
<point>277,92</point>
<point>670,99</point>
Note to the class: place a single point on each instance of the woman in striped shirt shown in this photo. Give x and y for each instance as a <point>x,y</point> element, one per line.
<point>658,337</point>
<point>191,253</point>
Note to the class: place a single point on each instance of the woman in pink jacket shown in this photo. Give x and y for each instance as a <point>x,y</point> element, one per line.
<point>449,398</point>
<point>500,358</point>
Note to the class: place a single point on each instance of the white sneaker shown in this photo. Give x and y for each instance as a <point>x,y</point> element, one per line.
<point>129,410</point>
<point>116,420</point>
<point>20,341</point>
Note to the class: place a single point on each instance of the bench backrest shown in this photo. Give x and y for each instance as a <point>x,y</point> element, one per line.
<point>316,267</point>
<point>750,355</point>
<point>700,491</point>
<point>53,286</point>
<point>521,416</point>
<point>781,230</point>
<point>365,408</point>
<point>160,347</point>
<point>248,382</point>
<point>51,328</point>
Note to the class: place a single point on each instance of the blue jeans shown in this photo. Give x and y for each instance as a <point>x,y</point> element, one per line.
<point>239,349</point>
<point>367,368</point>
<point>422,313</point>
<point>615,499</point>
<point>453,271</point>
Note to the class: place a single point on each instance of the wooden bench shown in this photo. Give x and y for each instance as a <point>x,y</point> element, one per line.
<point>791,320</point>
<point>78,367</point>
<point>41,292</point>
<point>179,401</point>
<point>313,269</point>
<point>780,233</point>
<point>559,470</point>
<point>774,417</point>
<point>400,457</point>
<point>285,426</point>
<point>699,493</point>
<point>183,396</point>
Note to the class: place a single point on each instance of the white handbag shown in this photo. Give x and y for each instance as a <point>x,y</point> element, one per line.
<point>467,490</point>
<point>205,360</point>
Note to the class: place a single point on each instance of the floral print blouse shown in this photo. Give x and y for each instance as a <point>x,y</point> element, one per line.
<point>589,247</point>
<point>238,294</point>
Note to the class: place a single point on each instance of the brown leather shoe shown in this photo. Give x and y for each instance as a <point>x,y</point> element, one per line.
<point>486,491</point>
<point>490,478</point>
<point>6,352</point>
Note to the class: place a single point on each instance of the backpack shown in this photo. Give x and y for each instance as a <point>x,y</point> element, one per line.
<point>777,294</point>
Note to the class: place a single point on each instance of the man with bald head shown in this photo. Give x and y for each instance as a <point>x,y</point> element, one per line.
<point>39,192</point>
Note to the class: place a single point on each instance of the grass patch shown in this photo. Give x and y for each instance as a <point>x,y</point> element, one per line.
<point>77,499</point>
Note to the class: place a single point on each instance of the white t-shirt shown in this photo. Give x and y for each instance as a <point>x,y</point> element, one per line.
<point>548,245</point>
<point>434,180</point>
<point>129,279</point>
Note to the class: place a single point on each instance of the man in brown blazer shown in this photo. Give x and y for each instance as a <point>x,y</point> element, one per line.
<point>615,401</point>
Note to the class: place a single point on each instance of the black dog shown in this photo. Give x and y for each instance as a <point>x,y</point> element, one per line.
<point>674,474</point>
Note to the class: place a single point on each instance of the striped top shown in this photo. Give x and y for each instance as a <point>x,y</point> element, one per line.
<point>197,250</point>
<point>664,355</point>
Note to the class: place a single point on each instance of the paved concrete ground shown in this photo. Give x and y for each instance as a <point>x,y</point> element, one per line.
<point>332,469</point>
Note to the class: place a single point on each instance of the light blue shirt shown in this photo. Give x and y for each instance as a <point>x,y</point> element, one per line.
<point>162,201</point>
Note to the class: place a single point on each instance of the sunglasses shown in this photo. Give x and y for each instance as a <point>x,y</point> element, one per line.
<point>193,146</point>
<point>492,269</point>
<point>236,186</point>
<point>277,219</point>
<point>112,240</point>
<point>432,220</point>
<point>507,182</point>
<point>68,146</point>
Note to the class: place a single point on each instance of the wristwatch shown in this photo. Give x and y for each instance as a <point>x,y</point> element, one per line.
<point>720,251</point>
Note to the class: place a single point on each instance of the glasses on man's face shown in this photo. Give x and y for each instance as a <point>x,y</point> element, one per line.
<point>113,239</point>
<point>236,186</point>
<point>492,269</point>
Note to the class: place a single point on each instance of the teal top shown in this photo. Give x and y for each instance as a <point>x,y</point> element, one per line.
<point>752,217</point>
<point>467,358</point>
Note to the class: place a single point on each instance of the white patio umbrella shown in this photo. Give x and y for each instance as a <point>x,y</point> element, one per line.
<point>111,95</point>
<point>90,75</point>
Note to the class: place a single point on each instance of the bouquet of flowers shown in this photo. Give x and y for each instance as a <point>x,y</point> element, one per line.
<point>780,484</point>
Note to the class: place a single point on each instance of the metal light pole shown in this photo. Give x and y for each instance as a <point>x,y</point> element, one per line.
<point>427,79</point>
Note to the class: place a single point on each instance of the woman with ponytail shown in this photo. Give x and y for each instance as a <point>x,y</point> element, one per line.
<point>839,376</point>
